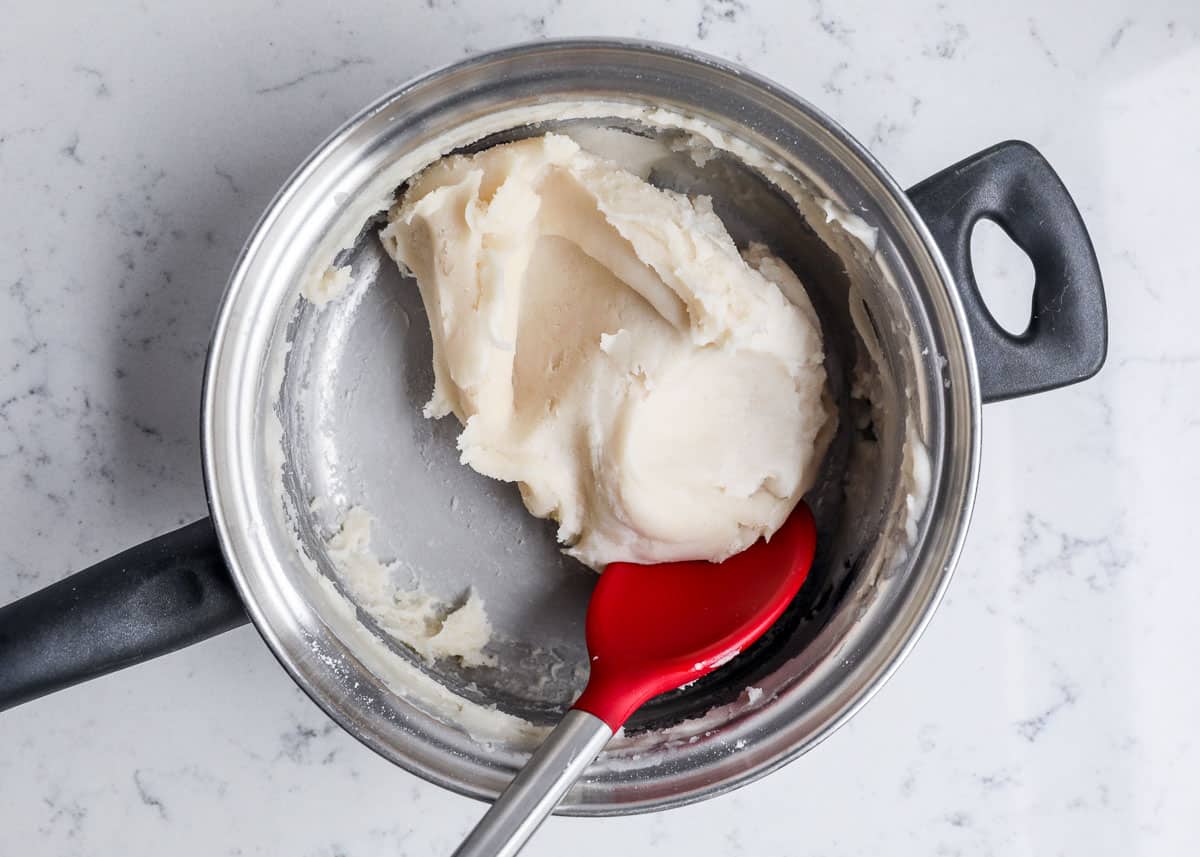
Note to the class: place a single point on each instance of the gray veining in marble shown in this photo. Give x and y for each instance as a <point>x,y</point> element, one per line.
<point>1050,709</point>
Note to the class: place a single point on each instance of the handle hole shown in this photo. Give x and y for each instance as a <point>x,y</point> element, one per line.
<point>1004,275</point>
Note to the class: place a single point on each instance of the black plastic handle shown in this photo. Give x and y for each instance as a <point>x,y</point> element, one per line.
<point>150,600</point>
<point>1013,185</point>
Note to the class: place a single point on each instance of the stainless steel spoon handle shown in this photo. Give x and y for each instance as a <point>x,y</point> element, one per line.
<point>537,789</point>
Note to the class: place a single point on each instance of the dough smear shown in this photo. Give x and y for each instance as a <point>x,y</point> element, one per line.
<point>606,346</point>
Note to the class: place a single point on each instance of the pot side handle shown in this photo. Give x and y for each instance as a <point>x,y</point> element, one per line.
<point>1014,186</point>
<point>152,599</point>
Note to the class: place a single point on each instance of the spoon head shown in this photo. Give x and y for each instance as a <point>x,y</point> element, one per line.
<point>653,628</point>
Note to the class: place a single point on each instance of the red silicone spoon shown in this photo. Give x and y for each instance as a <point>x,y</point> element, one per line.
<point>650,629</point>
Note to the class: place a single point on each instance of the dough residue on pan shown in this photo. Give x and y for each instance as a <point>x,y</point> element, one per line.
<point>430,626</point>
<point>605,345</point>
<point>329,286</point>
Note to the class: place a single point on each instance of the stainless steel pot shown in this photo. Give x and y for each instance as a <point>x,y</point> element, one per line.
<point>304,401</point>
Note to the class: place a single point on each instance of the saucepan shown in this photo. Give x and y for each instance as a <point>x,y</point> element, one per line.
<point>333,500</point>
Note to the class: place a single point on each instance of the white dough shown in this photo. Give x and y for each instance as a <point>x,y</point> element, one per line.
<point>428,625</point>
<point>327,287</point>
<point>606,346</point>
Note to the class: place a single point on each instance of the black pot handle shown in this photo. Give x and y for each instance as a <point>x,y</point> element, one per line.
<point>150,600</point>
<point>1013,185</point>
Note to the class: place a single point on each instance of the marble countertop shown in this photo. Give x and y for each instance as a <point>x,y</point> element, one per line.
<point>1051,707</point>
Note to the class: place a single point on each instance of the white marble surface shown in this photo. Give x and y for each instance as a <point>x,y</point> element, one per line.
<point>1051,707</point>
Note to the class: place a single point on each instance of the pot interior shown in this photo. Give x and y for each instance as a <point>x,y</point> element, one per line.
<point>336,422</point>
